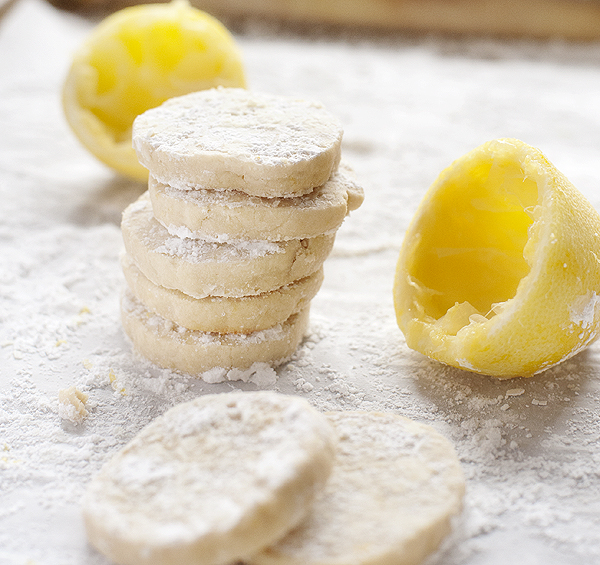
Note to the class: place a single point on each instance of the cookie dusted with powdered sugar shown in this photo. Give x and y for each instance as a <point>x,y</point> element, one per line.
<point>228,214</point>
<point>394,489</point>
<point>260,144</point>
<point>221,314</point>
<point>171,346</point>
<point>210,481</point>
<point>201,268</point>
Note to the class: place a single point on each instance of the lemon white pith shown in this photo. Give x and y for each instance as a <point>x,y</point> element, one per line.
<point>499,272</point>
<point>136,59</point>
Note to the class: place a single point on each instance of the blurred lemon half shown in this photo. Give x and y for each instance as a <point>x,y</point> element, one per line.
<point>499,272</point>
<point>136,59</point>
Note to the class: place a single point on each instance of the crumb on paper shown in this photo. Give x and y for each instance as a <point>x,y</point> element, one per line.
<point>515,392</point>
<point>116,385</point>
<point>71,405</point>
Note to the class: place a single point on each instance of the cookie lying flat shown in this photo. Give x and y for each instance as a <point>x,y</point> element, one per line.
<point>224,215</point>
<point>394,488</point>
<point>192,352</point>
<point>210,481</point>
<point>260,144</point>
<point>221,314</point>
<point>200,268</point>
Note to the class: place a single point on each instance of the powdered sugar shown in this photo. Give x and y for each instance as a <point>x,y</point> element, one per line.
<point>156,237</point>
<point>320,196</point>
<point>197,250</point>
<point>583,310</point>
<point>260,374</point>
<point>410,106</point>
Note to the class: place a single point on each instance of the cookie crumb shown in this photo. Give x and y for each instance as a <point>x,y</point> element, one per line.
<point>71,405</point>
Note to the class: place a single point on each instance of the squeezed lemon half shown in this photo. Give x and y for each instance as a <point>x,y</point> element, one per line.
<point>136,59</point>
<point>499,271</point>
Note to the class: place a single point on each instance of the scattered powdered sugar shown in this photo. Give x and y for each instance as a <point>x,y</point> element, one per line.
<point>199,250</point>
<point>530,448</point>
<point>260,374</point>
<point>184,232</point>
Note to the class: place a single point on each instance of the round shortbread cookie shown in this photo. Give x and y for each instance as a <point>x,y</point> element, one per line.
<point>231,138</point>
<point>221,314</point>
<point>193,352</point>
<point>395,486</point>
<point>202,268</point>
<point>224,215</point>
<point>210,480</point>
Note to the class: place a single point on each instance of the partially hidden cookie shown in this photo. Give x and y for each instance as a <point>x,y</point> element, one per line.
<point>171,346</point>
<point>224,215</point>
<point>202,268</point>
<point>260,144</point>
<point>394,489</point>
<point>210,481</point>
<point>220,314</point>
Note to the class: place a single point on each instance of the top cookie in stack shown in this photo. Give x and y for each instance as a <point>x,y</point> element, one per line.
<point>262,145</point>
<point>225,250</point>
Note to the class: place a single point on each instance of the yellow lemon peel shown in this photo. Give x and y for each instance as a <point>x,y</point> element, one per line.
<point>499,272</point>
<point>134,60</point>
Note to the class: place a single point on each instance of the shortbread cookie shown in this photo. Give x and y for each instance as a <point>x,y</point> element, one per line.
<point>171,346</point>
<point>221,314</point>
<point>394,488</point>
<point>260,144</point>
<point>225,215</point>
<point>210,480</point>
<point>201,268</point>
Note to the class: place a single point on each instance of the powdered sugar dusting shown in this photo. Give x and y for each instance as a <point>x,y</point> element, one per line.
<point>197,250</point>
<point>583,310</point>
<point>410,106</point>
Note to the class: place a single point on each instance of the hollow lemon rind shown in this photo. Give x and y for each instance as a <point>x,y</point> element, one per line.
<point>554,313</point>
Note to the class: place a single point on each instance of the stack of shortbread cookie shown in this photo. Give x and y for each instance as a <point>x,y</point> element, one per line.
<point>224,252</point>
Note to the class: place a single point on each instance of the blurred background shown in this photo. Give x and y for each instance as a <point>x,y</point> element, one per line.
<point>569,19</point>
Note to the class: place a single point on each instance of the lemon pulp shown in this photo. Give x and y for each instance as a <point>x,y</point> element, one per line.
<point>136,59</point>
<point>473,238</point>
